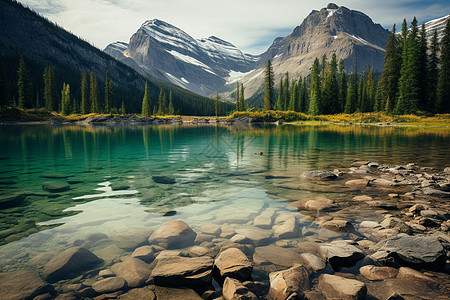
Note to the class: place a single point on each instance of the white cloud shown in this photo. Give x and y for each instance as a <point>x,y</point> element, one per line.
<point>249,24</point>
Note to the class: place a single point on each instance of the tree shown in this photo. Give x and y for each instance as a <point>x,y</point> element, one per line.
<point>217,104</point>
<point>409,85</point>
<point>242,99</point>
<point>108,94</point>
<point>4,101</point>
<point>330,98</point>
<point>293,102</point>
<point>423,68</point>
<point>146,102</point>
<point>85,107</point>
<point>122,109</point>
<point>24,86</point>
<point>370,91</point>
<point>287,93</point>
<point>237,97</point>
<point>280,95</point>
<point>268,87</point>
<point>303,96</point>
<point>433,70</point>
<point>65,100</point>
<point>315,98</point>
<point>388,84</point>
<point>50,91</point>
<point>352,92</point>
<point>171,108</point>
<point>95,108</point>
<point>443,86</point>
<point>161,104</point>
<point>342,86</point>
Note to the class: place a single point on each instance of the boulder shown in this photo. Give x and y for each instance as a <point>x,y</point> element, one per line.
<point>339,226</point>
<point>227,231</point>
<point>139,293</point>
<point>173,235</point>
<point>144,253</point>
<point>360,163</point>
<point>408,273</point>
<point>55,186</point>
<point>319,175</point>
<point>265,219</point>
<point>425,251</point>
<point>320,203</point>
<point>368,224</point>
<point>72,260</point>
<point>211,229</point>
<point>378,273</point>
<point>163,179</point>
<point>133,270</point>
<point>198,251</point>
<point>289,229</point>
<point>336,287</point>
<point>357,184</point>
<point>257,235</point>
<point>315,262</point>
<point>382,204</point>
<point>171,293</point>
<point>289,284</point>
<point>383,182</point>
<point>106,273</point>
<point>397,289</point>
<point>341,254</point>
<point>22,285</point>
<point>234,290</point>
<point>12,199</point>
<point>234,263</point>
<point>109,285</point>
<point>183,271</point>
<point>272,254</point>
<point>397,224</point>
<point>417,208</point>
<point>362,198</point>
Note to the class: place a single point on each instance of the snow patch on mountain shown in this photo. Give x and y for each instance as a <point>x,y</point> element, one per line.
<point>168,34</point>
<point>234,76</point>
<point>187,59</point>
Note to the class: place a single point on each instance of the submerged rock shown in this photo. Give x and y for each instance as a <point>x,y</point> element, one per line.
<point>171,293</point>
<point>22,285</point>
<point>357,183</point>
<point>378,273</point>
<point>320,203</point>
<point>174,234</point>
<point>341,254</point>
<point>336,287</point>
<point>235,290</point>
<point>277,255</point>
<point>109,285</point>
<point>163,179</point>
<point>234,263</point>
<point>319,175</point>
<point>55,186</point>
<point>183,271</point>
<point>289,229</point>
<point>133,270</point>
<point>72,260</point>
<point>289,284</point>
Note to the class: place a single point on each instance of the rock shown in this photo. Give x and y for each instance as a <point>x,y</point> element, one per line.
<point>319,175</point>
<point>109,285</point>
<point>211,229</point>
<point>368,224</point>
<point>132,239</point>
<point>234,263</point>
<point>163,179</point>
<point>373,165</point>
<point>362,198</point>
<point>382,204</point>
<point>173,235</point>
<point>183,271</point>
<point>139,293</point>
<point>429,213</point>
<point>198,251</point>
<point>22,285</point>
<point>338,226</point>
<point>55,186</point>
<point>417,208</point>
<point>265,219</point>
<point>408,273</point>
<point>133,270</point>
<point>289,229</point>
<point>144,253</point>
<point>72,260</point>
<point>12,199</point>
<point>277,255</point>
<point>166,293</point>
<point>401,289</point>
<point>289,284</point>
<point>315,262</point>
<point>321,203</point>
<point>257,235</point>
<point>446,170</point>
<point>435,193</point>
<point>383,182</point>
<point>246,248</point>
<point>360,163</point>
<point>378,273</point>
<point>335,287</point>
<point>234,290</point>
<point>106,273</point>
<point>357,184</point>
<point>395,223</point>
<point>418,250</point>
<point>227,231</point>
<point>341,254</point>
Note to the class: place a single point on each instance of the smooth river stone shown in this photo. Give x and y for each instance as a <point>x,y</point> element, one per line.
<point>286,257</point>
<point>55,186</point>
<point>336,287</point>
<point>22,285</point>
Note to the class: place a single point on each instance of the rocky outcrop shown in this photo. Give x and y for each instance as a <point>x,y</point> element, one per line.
<point>173,235</point>
<point>72,260</point>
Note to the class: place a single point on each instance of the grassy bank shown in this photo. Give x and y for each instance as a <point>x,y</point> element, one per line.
<point>356,118</point>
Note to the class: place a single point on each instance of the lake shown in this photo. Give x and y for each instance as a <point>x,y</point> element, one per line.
<point>62,185</point>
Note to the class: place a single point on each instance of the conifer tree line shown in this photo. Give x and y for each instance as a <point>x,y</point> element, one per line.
<point>414,78</point>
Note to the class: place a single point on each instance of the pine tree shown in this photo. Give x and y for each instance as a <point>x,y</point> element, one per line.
<point>65,100</point>
<point>342,86</point>
<point>432,72</point>
<point>303,96</point>
<point>423,68</point>
<point>388,84</point>
<point>330,91</point>
<point>53,90</point>
<point>242,99</point>
<point>122,109</point>
<point>146,102</point>
<point>352,92</point>
<point>217,104</point>
<point>370,91</point>
<point>85,107</point>
<point>95,108</point>
<point>237,97</point>
<point>443,86</point>
<point>108,94</point>
<point>268,87</point>
<point>280,95</point>
<point>171,108</point>
<point>293,102</point>
<point>162,110</point>
<point>4,101</point>
<point>409,86</point>
<point>287,93</point>
<point>24,86</point>
<point>315,98</point>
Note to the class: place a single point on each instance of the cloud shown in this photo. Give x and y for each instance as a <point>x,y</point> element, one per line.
<point>251,25</point>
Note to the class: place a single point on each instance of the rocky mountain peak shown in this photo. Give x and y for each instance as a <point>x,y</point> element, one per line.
<point>332,6</point>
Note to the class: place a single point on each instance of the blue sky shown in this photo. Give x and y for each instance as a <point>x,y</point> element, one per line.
<point>251,25</point>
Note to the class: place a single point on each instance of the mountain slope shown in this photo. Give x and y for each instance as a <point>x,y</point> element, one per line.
<point>167,52</point>
<point>23,32</point>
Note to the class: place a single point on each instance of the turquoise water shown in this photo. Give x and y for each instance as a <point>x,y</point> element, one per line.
<point>220,178</point>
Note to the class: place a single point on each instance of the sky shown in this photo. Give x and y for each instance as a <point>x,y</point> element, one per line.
<point>251,25</point>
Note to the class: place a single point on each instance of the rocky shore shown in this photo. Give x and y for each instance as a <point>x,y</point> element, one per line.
<point>404,254</point>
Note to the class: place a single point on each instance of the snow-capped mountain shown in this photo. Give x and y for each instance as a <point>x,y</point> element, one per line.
<point>438,25</point>
<point>163,50</point>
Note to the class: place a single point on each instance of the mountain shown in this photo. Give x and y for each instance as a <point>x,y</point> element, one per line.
<point>167,52</point>
<point>42,43</point>
<point>438,25</point>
